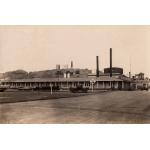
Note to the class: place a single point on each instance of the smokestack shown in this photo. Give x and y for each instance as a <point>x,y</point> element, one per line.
<point>97,66</point>
<point>129,74</point>
<point>71,64</point>
<point>58,67</point>
<point>110,62</point>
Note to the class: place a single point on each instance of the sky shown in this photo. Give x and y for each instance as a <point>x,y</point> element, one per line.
<point>34,48</point>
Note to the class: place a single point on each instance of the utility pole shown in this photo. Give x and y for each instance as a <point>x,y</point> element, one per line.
<point>130,68</point>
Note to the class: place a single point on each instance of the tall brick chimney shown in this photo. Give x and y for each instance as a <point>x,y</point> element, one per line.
<point>97,66</point>
<point>110,62</point>
<point>71,64</point>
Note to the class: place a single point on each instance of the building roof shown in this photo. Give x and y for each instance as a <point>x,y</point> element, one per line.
<point>103,78</point>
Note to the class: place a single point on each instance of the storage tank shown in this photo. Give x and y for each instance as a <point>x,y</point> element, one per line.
<point>115,70</point>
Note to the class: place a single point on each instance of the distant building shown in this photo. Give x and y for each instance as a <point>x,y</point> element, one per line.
<point>139,76</point>
<point>17,74</point>
<point>74,73</point>
<point>60,73</point>
<point>58,67</point>
<point>139,81</point>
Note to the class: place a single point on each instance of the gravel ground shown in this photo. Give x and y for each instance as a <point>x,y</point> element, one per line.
<point>107,107</point>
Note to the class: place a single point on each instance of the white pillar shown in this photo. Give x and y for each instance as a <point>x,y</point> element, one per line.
<point>51,89</point>
<point>117,84</point>
<point>136,86</point>
<point>39,84</point>
<point>122,84</point>
<point>103,85</point>
<point>92,87</point>
<point>68,75</point>
<point>65,75</point>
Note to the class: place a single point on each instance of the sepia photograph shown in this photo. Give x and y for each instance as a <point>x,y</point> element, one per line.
<point>74,74</point>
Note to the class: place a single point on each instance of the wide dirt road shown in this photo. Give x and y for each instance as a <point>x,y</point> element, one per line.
<point>108,107</point>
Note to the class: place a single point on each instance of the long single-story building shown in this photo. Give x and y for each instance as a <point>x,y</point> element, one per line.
<point>103,82</point>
